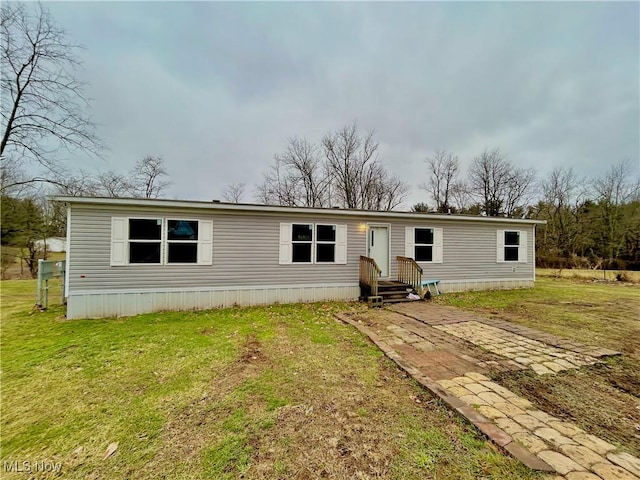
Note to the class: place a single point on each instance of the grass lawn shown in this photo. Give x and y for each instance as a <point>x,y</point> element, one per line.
<point>604,400</point>
<point>273,392</point>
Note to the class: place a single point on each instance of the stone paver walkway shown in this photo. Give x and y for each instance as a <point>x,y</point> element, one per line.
<point>514,423</point>
<point>538,356</point>
<point>448,351</point>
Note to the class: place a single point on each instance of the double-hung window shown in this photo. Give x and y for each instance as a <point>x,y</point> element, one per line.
<point>301,243</point>
<point>182,241</point>
<point>325,243</point>
<point>313,243</point>
<point>145,240</point>
<point>424,244</point>
<point>512,246</point>
<point>160,241</point>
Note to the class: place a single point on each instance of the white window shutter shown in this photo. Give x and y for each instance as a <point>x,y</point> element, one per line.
<point>409,239</point>
<point>500,246</point>
<point>285,243</point>
<point>522,248</point>
<point>118,241</point>
<point>437,246</point>
<point>341,244</point>
<point>205,242</point>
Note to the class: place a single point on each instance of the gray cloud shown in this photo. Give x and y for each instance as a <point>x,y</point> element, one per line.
<point>217,88</point>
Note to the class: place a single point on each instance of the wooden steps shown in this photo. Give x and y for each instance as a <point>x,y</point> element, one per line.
<point>393,291</point>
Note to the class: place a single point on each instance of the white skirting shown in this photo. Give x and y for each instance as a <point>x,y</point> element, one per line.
<point>450,286</point>
<point>126,303</point>
<point>116,303</point>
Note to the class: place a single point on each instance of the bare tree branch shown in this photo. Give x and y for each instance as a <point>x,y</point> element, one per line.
<point>147,178</point>
<point>500,188</point>
<point>358,179</point>
<point>442,168</point>
<point>234,192</point>
<point>43,102</point>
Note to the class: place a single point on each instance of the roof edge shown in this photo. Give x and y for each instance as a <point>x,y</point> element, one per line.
<point>246,207</point>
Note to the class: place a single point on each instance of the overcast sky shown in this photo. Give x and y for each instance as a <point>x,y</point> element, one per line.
<point>217,88</point>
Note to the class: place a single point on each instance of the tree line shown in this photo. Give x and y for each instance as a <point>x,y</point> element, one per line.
<point>28,218</point>
<point>591,222</point>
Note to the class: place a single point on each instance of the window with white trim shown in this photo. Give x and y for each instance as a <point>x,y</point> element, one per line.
<point>512,246</point>
<point>160,241</point>
<point>325,243</point>
<point>424,244</point>
<point>182,241</point>
<point>145,240</point>
<point>313,243</point>
<point>301,243</point>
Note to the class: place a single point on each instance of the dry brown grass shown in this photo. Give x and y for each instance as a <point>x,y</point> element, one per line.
<point>590,275</point>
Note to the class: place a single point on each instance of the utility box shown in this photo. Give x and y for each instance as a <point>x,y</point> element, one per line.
<point>48,269</point>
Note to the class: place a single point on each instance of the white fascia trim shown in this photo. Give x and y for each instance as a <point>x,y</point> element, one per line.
<point>212,289</point>
<point>220,207</point>
<point>67,257</point>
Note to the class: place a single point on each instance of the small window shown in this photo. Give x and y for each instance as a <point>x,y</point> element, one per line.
<point>511,246</point>
<point>145,237</point>
<point>301,243</point>
<point>182,241</point>
<point>325,243</point>
<point>423,245</point>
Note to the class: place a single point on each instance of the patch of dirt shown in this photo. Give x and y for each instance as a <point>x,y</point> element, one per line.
<point>185,433</point>
<point>253,351</point>
<point>603,399</point>
<point>630,345</point>
<point>337,433</point>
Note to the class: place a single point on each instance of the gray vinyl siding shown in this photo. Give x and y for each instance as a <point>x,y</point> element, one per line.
<point>469,251</point>
<point>245,253</point>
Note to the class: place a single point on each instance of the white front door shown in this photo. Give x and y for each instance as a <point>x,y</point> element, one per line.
<point>378,248</point>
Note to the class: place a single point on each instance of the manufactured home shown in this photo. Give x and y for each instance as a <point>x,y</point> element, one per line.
<point>129,256</point>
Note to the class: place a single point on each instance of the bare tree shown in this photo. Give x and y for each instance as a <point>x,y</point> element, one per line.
<point>350,161</point>
<point>499,187</point>
<point>442,168</point>
<point>298,177</point>
<point>618,186</point>
<point>358,179</point>
<point>147,178</point>
<point>382,191</point>
<point>489,175</point>
<point>42,101</point>
<point>277,187</point>
<point>519,191</point>
<point>112,184</point>
<point>349,175</point>
<point>79,184</point>
<point>460,196</point>
<point>233,192</point>
<point>558,206</point>
<point>302,160</point>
